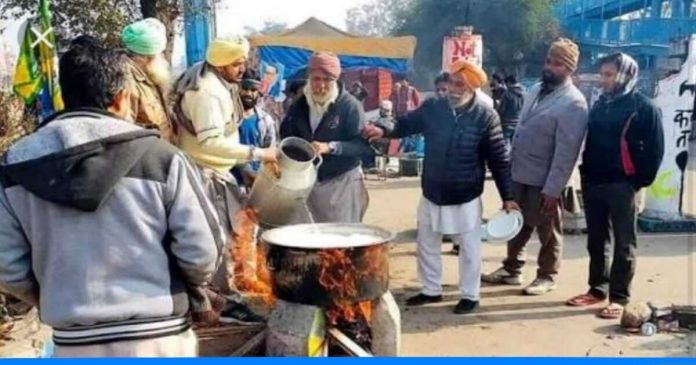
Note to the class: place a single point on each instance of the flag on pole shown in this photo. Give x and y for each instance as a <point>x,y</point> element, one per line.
<point>35,78</point>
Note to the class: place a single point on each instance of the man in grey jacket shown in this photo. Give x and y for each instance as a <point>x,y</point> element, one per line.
<point>103,225</point>
<point>545,148</point>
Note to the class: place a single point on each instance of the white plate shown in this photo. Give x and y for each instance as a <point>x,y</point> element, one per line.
<point>504,226</point>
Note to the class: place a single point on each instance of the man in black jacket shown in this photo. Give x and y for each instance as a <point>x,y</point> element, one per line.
<point>510,107</point>
<point>461,134</point>
<point>623,152</point>
<point>331,118</point>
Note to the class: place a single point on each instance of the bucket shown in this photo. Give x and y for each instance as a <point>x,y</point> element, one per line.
<point>277,199</point>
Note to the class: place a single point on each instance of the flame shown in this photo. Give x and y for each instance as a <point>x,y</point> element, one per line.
<point>251,274</point>
<point>339,276</point>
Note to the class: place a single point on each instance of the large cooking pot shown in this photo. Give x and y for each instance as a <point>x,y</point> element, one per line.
<point>296,254</point>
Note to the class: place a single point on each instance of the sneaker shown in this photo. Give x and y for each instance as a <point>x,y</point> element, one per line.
<point>466,306</point>
<point>238,313</point>
<point>540,286</point>
<point>422,299</point>
<point>502,276</point>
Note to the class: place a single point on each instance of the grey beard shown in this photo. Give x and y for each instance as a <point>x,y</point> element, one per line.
<point>465,98</point>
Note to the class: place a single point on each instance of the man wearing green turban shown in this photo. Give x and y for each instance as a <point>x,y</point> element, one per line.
<point>148,74</point>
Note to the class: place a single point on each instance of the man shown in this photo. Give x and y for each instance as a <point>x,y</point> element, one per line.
<point>510,106</point>
<point>441,84</point>
<point>385,112</point>
<point>404,97</point>
<point>623,152</point>
<point>103,226</point>
<point>148,73</point>
<point>293,91</point>
<point>209,111</point>
<point>497,89</point>
<point>258,128</point>
<point>84,41</point>
<point>460,134</point>
<point>359,91</point>
<point>545,148</point>
<point>329,117</point>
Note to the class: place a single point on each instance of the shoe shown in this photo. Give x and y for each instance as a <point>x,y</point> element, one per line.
<point>238,313</point>
<point>455,250</point>
<point>422,299</point>
<point>502,276</point>
<point>466,306</point>
<point>540,286</point>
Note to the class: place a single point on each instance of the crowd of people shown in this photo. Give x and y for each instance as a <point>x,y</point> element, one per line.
<point>117,215</point>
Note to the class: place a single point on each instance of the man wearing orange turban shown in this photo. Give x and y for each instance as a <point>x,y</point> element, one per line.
<point>462,135</point>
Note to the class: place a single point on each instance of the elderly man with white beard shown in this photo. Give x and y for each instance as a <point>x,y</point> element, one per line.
<point>329,117</point>
<point>462,136</point>
<point>148,75</point>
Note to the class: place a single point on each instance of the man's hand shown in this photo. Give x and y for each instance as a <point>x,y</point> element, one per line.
<point>510,205</point>
<point>549,205</point>
<point>372,132</point>
<point>249,178</point>
<point>322,148</point>
<point>269,154</point>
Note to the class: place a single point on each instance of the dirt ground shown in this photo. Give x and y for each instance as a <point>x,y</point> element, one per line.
<point>509,324</point>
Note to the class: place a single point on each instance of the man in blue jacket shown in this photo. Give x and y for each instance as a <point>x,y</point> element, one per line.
<point>461,135</point>
<point>329,117</point>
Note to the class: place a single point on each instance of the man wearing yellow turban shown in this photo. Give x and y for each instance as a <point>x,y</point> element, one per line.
<point>545,148</point>
<point>148,75</point>
<point>462,135</point>
<point>208,111</point>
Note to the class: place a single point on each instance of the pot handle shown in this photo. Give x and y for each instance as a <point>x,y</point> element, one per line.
<point>320,161</point>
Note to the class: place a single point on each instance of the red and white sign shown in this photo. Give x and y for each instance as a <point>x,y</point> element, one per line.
<point>465,46</point>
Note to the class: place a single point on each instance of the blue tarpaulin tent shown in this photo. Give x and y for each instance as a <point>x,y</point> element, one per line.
<point>293,48</point>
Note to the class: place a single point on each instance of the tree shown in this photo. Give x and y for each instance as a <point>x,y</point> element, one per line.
<point>104,19</point>
<point>377,18</point>
<point>270,27</point>
<point>515,32</point>
<point>100,18</point>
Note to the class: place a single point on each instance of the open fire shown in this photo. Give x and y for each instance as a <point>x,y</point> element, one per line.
<point>340,274</point>
<point>251,274</point>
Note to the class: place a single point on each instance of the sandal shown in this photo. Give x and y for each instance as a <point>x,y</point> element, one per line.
<point>584,300</point>
<point>612,311</point>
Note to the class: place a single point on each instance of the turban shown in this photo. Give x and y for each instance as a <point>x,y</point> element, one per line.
<point>251,84</point>
<point>565,50</point>
<point>386,105</point>
<point>227,50</point>
<point>473,74</point>
<point>327,62</point>
<point>146,37</point>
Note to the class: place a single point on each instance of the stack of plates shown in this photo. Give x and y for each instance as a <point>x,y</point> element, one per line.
<point>503,226</point>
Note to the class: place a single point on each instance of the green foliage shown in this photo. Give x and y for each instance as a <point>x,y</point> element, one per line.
<point>515,32</point>
<point>102,19</point>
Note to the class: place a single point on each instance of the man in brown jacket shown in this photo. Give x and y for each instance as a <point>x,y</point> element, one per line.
<point>545,149</point>
<point>148,75</point>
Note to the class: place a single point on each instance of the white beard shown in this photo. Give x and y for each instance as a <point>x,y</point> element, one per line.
<point>160,74</point>
<point>319,104</point>
<point>456,101</point>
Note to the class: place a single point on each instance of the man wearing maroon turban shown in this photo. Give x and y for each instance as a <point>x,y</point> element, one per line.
<point>329,117</point>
